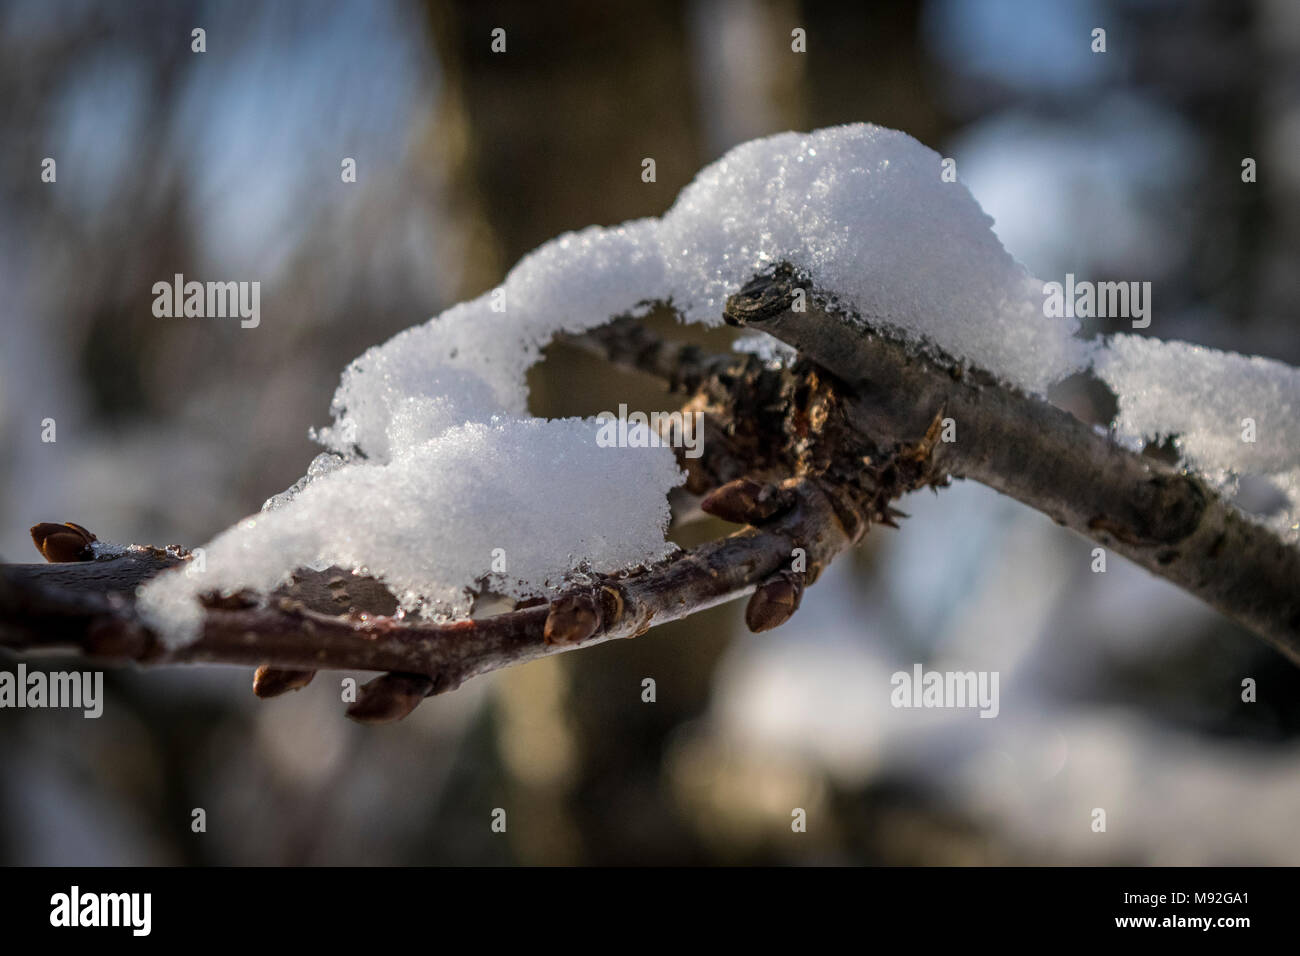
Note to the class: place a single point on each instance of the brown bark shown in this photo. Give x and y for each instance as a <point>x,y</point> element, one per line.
<point>808,456</point>
<point>804,496</point>
<point>1163,518</point>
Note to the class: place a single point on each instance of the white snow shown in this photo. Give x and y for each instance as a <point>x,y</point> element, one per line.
<point>429,522</point>
<point>1203,397</point>
<point>863,209</point>
<point>769,349</point>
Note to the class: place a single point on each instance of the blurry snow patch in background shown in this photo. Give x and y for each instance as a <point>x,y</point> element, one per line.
<point>1005,591</point>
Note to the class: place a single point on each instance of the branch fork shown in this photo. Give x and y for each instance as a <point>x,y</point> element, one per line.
<point>804,456</point>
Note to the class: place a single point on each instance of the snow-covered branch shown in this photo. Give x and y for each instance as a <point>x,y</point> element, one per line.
<point>1165,519</point>
<point>286,634</point>
<point>806,497</point>
<point>922,349</point>
<point>807,455</point>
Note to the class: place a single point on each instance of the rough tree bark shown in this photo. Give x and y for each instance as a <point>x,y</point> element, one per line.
<point>807,456</point>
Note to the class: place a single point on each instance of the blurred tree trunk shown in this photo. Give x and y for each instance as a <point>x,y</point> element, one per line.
<point>545,137</point>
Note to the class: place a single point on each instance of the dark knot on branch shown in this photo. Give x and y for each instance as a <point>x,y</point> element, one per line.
<point>766,296</point>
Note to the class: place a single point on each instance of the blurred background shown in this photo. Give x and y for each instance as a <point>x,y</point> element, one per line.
<point>1117,690</point>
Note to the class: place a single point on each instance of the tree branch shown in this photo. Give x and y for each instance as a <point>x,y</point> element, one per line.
<point>804,494</point>
<point>808,455</point>
<point>286,634</point>
<point>1162,518</point>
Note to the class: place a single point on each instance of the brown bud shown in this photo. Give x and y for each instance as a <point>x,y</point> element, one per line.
<point>63,542</point>
<point>389,697</point>
<point>273,681</point>
<point>612,605</point>
<point>572,619</point>
<point>744,501</point>
<point>774,602</point>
